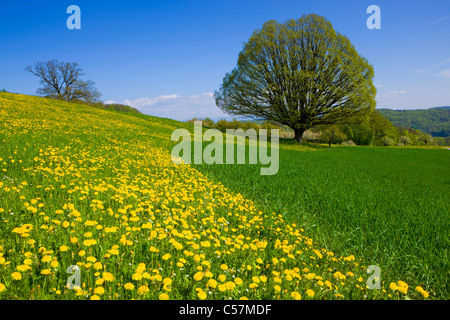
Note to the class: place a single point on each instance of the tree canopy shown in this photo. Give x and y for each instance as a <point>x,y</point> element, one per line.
<point>300,73</point>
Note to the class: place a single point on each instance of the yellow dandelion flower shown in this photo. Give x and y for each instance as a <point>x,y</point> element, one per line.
<point>136,276</point>
<point>202,295</point>
<point>422,291</point>
<point>167,281</point>
<point>163,296</point>
<point>23,268</point>
<point>198,276</point>
<point>296,296</point>
<point>310,293</point>
<point>253,285</point>
<point>128,286</point>
<point>143,290</point>
<point>108,276</point>
<point>98,266</point>
<point>99,290</point>
<point>46,272</point>
<point>222,278</point>
<point>46,258</point>
<point>211,283</point>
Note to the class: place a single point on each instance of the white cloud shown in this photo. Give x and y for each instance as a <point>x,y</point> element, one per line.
<point>393,93</point>
<point>177,107</point>
<point>444,73</point>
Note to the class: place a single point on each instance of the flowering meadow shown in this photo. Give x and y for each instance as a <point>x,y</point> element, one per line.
<point>97,189</point>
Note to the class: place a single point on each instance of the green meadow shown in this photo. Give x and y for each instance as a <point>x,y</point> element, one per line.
<point>388,205</point>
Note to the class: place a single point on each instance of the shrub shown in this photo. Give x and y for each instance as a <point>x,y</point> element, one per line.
<point>348,143</point>
<point>311,136</point>
<point>387,141</point>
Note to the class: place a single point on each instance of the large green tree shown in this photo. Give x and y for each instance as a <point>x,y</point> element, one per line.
<point>300,73</point>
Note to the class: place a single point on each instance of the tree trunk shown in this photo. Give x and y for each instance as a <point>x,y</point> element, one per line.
<point>298,134</point>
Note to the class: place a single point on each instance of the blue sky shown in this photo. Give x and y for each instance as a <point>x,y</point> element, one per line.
<point>168,57</point>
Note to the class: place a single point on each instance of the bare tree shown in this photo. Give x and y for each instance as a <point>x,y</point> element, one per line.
<point>61,80</point>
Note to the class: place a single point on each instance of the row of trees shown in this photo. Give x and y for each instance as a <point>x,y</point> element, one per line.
<point>244,125</point>
<point>375,130</point>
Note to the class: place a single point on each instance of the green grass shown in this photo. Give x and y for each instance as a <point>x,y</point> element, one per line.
<point>388,206</point>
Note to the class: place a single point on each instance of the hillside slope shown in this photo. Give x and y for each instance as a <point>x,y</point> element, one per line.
<point>435,121</point>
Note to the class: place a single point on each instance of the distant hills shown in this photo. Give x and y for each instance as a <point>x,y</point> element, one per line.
<point>435,121</point>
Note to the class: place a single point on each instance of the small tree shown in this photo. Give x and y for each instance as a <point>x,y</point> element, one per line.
<point>333,134</point>
<point>208,122</point>
<point>61,80</point>
<point>426,138</point>
<point>269,127</point>
<point>405,140</point>
<point>387,141</point>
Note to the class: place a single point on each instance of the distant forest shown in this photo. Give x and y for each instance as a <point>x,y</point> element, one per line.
<point>435,121</point>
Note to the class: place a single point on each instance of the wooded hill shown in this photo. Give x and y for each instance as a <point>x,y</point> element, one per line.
<point>435,121</point>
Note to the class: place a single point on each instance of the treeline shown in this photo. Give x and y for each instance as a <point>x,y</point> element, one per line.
<point>435,121</point>
<point>111,106</point>
<point>115,106</point>
<point>375,130</point>
<point>244,125</point>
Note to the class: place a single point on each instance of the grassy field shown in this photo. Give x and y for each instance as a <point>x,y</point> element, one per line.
<point>97,189</point>
<point>389,206</point>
